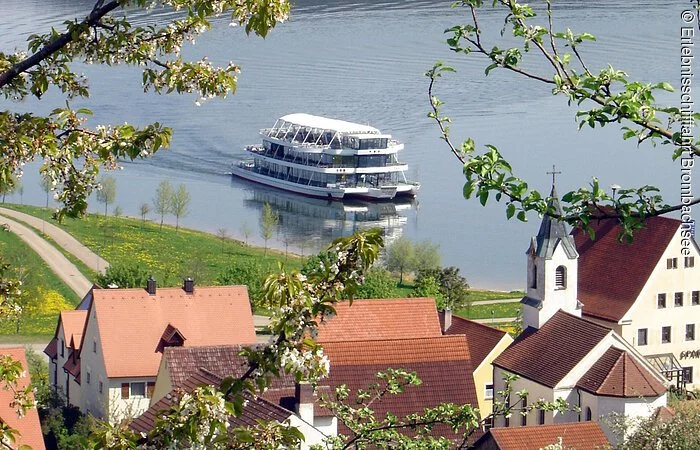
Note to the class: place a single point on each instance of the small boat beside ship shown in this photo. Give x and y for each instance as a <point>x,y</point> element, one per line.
<point>327,158</point>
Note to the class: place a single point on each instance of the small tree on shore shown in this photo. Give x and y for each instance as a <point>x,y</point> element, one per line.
<point>107,192</point>
<point>269,220</point>
<point>245,231</point>
<point>179,204</point>
<point>8,186</point>
<point>144,209</point>
<point>161,202</point>
<point>400,256</point>
<point>222,233</point>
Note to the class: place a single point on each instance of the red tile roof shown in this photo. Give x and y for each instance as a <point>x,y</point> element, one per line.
<point>612,274</point>
<point>72,365</point>
<point>73,324</point>
<point>51,349</point>
<point>547,355</point>
<point>618,374</point>
<point>220,360</point>
<point>481,339</point>
<point>377,319</point>
<point>442,363</point>
<point>575,435</point>
<point>131,323</point>
<point>256,408</point>
<point>28,426</point>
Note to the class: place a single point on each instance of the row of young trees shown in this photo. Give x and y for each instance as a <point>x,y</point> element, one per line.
<point>169,200</point>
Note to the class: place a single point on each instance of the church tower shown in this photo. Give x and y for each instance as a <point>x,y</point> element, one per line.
<point>552,271</point>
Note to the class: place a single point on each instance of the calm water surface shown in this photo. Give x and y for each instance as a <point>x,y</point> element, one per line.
<point>364,61</point>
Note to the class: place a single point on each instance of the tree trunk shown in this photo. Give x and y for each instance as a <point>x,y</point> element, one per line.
<point>161,221</point>
<point>105,209</point>
<point>401,276</point>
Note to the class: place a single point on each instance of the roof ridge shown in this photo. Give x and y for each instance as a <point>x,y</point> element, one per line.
<point>480,325</point>
<point>586,320</point>
<point>444,336</point>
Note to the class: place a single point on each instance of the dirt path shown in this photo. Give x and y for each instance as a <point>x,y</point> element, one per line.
<point>62,238</point>
<point>58,263</point>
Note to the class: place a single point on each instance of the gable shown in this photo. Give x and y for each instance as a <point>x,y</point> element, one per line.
<point>549,354</point>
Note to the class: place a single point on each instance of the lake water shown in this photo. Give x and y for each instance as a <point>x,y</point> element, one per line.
<point>364,61</point>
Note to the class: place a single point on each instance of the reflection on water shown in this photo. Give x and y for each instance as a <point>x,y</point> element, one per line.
<point>306,221</point>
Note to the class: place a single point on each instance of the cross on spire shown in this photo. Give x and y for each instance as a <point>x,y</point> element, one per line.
<point>554,174</point>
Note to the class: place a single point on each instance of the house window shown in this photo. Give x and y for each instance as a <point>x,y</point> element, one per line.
<point>507,422</point>
<point>687,374</point>
<point>689,261</point>
<point>138,389</point>
<point>488,391</point>
<point>678,299</point>
<point>589,414</point>
<point>100,387</point>
<point>560,277</point>
<point>695,296</point>
<point>488,423</point>
<point>87,377</point>
<point>540,419</point>
<point>666,335</point>
<point>125,391</point>
<point>642,336</point>
<point>690,332</point>
<point>523,412</point>
<point>661,301</point>
<point>94,346</point>
<point>672,263</point>
<point>63,348</point>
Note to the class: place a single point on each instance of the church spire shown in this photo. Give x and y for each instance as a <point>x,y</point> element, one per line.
<point>553,231</point>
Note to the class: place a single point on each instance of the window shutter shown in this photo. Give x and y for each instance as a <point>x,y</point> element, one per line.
<point>125,390</point>
<point>150,387</point>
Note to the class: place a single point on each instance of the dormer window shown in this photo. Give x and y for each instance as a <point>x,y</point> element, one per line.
<point>560,277</point>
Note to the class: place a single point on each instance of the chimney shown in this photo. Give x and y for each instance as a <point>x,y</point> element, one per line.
<point>151,286</point>
<point>189,285</point>
<point>304,401</point>
<point>447,322</point>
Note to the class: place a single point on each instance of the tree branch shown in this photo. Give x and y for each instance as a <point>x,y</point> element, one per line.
<point>56,45</point>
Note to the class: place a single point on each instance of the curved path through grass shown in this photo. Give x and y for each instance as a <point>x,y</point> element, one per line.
<point>58,263</point>
<point>62,238</point>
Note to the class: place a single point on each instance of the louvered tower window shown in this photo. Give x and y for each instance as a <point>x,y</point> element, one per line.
<point>560,277</point>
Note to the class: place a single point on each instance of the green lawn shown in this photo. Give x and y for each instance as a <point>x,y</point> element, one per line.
<point>46,294</point>
<point>168,254</point>
<point>497,311</point>
<point>477,295</point>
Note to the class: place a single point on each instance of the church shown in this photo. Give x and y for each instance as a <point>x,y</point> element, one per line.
<point>568,352</point>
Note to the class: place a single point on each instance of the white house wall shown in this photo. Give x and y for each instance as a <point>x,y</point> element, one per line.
<point>132,407</point>
<point>645,313</point>
<point>92,361</point>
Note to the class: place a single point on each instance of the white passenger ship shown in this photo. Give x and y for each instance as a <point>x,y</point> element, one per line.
<point>327,158</point>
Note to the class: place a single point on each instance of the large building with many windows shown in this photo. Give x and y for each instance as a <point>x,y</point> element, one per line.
<point>648,291</point>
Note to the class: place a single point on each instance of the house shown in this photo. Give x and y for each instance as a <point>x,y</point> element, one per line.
<point>562,355</point>
<point>485,344</point>
<point>442,363</point>
<point>28,425</point>
<point>183,369</point>
<point>401,318</point>
<point>63,351</point>
<point>113,356</point>
<point>647,291</point>
<point>577,435</point>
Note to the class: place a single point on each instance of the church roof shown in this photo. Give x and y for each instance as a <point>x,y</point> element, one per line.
<point>618,374</point>
<point>553,233</point>
<point>611,274</point>
<point>547,355</point>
